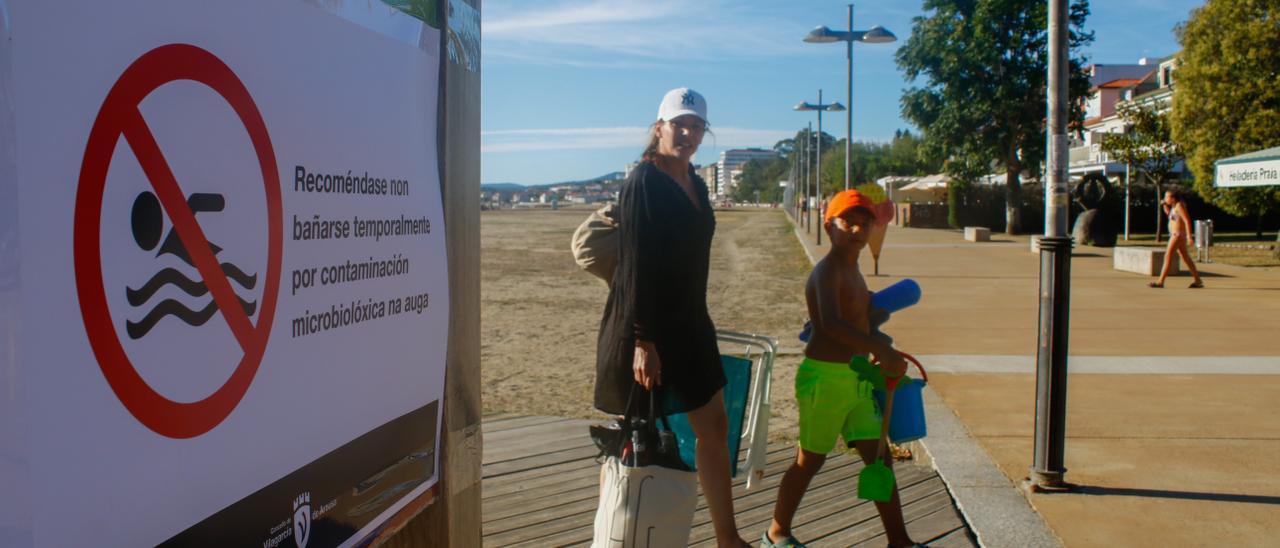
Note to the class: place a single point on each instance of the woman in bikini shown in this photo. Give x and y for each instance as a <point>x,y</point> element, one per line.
<point>1179,232</point>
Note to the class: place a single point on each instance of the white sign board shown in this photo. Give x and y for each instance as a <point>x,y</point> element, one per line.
<point>1259,172</point>
<point>223,278</point>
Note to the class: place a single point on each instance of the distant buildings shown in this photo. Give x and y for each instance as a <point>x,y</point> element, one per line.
<point>1150,82</point>
<point>709,174</point>
<point>730,165</point>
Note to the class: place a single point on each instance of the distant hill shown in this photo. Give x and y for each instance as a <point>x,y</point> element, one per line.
<point>491,187</point>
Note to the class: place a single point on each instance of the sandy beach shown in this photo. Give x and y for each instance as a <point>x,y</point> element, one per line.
<point>540,312</point>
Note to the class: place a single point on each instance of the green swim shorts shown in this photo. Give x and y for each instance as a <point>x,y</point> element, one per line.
<point>835,401</point>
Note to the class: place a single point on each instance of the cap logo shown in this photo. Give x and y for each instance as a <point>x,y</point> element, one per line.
<point>687,99</point>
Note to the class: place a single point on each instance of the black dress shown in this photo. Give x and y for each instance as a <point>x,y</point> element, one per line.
<point>659,294</point>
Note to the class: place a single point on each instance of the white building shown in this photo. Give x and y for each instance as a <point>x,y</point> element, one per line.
<point>710,174</point>
<point>731,162</point>
<point>1102,114</point>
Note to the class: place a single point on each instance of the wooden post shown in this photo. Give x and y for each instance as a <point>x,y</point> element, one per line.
<point>453,519</point>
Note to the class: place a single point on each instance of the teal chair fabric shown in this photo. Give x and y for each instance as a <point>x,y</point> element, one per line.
<point>736,392</point>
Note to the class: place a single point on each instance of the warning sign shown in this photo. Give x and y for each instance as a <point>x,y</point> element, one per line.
<point>119,118</point>
<point>227,284</point>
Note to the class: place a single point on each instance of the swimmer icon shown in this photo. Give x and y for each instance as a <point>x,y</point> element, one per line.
<point>148,224</point>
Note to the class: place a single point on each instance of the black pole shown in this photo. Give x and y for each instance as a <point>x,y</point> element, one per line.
<point>817,178</point>
<point>808,184</point>
<point>1048,464</point>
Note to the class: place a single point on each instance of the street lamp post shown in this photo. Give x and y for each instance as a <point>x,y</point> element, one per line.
<point>1048,466</point>
<point>804,206</point>
<point>874,35</point>
<point>820,107</point>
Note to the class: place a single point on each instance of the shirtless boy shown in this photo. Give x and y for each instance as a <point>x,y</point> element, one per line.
<point>835,381</point>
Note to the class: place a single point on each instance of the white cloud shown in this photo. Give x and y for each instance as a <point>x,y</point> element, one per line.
<point>557,18</point>
<point>666,31</point>
<point>632,137</point>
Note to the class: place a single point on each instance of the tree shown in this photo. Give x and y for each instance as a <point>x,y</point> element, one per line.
<point>1227,99</point>
<point>985,70</point>
<point>1146,144</point>
<point>760,178</point>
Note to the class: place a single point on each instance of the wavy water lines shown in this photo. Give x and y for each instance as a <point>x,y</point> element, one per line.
<point>171,307</point>
<point>175,277</point>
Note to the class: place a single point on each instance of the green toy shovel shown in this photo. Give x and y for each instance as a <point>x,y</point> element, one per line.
<point>876,480</point>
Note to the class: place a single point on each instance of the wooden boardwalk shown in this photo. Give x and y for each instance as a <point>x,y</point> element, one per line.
<point>541,484</point>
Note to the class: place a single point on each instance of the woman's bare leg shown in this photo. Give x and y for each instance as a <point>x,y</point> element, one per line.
<point>1186,258</point>
<point>1169,252</point>
<point>711,426</point>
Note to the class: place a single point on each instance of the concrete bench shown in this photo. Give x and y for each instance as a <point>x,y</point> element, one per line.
<point>1143,260</point>
<point>977,234</point>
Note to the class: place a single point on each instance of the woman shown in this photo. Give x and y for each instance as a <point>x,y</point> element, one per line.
<point>1179,232</point>
<point>656,332</point>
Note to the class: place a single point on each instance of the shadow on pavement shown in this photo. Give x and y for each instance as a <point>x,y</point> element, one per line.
<point>1184,495</point>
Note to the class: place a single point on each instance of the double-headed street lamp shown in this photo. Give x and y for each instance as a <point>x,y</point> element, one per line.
<point>820,107</point>
<point>874,35</point>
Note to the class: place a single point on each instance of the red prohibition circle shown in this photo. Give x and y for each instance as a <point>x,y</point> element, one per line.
<point>119,117</point>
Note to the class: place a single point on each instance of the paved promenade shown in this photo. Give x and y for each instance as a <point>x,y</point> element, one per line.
<point>1172,429</point>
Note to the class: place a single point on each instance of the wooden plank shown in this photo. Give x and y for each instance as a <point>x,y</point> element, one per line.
<point>534,440</point>
<point>580,535</point>
<point>872,530</point>
<point>571,476</point>
<point>829,500</point>
<point>523,526</point>
<point>569,488</point>
<point>547,480</point>
<point>942,522</point>
<point>837,477</point>
<point>547,459</point>
<point>513,423</point>
<point>526,450</point>
<point>500,484</point>
<point>583,450</point>
<point>498,510</point>
<point>514,515</point>
<point>751,509</point>
<point>498,417</point>
<point>865,516</point>
<point>549,499</point>
<point>557,426</point>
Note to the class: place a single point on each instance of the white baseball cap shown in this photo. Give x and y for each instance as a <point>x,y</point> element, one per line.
<point>681,101</point>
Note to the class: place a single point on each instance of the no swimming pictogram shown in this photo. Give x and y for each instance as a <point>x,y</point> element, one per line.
<point>120,117</point>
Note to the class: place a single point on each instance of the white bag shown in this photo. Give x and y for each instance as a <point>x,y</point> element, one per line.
<point>644,506</point>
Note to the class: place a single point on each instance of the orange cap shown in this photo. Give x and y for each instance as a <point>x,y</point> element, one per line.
<point>846,200</point>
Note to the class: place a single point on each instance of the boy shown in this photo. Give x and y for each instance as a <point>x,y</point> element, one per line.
<point>835,381</point>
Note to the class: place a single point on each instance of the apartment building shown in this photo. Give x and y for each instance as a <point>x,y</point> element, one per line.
<point>730,165</point>
<point>1114,87</point>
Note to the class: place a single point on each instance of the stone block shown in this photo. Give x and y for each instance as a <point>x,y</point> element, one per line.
<point>1143,260</point>
<point>977,234</point>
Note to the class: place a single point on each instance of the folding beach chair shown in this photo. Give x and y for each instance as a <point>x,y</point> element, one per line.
<point>746,399</point>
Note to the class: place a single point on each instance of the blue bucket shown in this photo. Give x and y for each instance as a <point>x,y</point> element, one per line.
<point>907,422</point>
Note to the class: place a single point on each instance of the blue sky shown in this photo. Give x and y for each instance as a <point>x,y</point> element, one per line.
<point>570,85</point>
